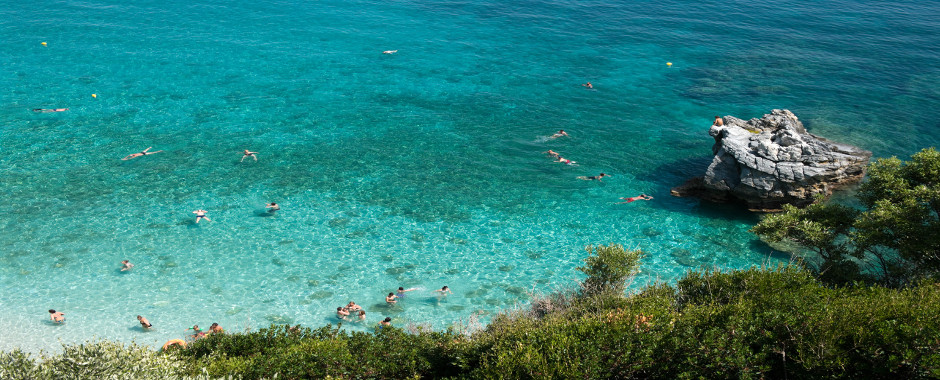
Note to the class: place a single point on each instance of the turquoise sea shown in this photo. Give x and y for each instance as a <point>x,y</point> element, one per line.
<point>419,169</point>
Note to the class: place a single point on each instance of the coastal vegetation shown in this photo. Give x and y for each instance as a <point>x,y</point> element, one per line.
<point>892,237</point>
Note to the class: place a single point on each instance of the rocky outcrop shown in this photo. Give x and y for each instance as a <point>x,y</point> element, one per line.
<point>772,161</point>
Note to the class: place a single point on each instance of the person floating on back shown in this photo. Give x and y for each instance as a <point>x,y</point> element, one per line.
<point>47,110</point>
<point>249,154</point>
<point>201,214</point>
<point>142,153</point>
<point>56,316</point>
<point>641,197</point>
<point>144,322</point>
<point>594,177</point>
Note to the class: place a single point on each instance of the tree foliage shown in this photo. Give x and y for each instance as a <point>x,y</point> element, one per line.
<point>896,232</point>
<point>608,268</point>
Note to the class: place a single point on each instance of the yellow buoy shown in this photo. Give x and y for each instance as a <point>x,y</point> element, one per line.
<point>669,64</point>
<point>43,44</point>
<point>94,95</point>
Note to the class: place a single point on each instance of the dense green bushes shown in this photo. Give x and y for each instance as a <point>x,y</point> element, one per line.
<point>757,323</point>
<point>94,360</point>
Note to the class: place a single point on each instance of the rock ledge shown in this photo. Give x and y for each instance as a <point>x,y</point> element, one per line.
<point>772,161</point>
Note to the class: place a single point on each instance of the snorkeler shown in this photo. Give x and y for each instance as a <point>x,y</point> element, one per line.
<point>126,266</point>
<point>47,110</point>
<point>144,322</point>
<point>641,197</point>
<point>594,177</point>
<point>249,154</point>
<point>201,214</point>
<point>142,153</point>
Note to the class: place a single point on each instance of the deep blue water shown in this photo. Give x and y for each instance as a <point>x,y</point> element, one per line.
<point>421,168</point>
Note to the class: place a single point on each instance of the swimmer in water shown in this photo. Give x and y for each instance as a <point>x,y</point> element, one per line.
<point>249,154</point>
<point>402,291</point>
<point>144,322</point>
<point>362,315</point>
<point>272,207</point>
<point>560,133</point>
<point>142,153</point>
<point>552,153</point>
<point>126,266</point>
<point>594,177</point>
<point>718,121</point>
<point>351,306</point>
<point>566,161</point>
<point>588,85</point>
<point>341,313</point>
<point>201,214</point>
<point>386,322</point>
<point>443,291</point>
<point>390,52</point>
<point>391,299</point>
<point>56,316</point>
<point>641,197</point>
<point>197,332</point>
<point>47,110</point>
<point>215,328</point>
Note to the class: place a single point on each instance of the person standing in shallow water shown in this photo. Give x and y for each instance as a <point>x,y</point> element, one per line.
<point>144,322</point>
<point>272,207</point>
<point>56,316</point>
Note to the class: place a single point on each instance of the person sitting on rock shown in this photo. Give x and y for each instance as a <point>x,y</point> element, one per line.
<point>718,121</point>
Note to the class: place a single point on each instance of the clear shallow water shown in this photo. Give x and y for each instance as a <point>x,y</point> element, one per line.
<point>417,169</point>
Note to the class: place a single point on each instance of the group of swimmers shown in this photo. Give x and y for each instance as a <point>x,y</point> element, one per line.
<point>59,317</point>
<point>558,158</point>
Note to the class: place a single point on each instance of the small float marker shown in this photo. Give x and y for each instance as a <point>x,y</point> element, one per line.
<point>43,44</point>
<point>669,64</point>
<point>94,95</point>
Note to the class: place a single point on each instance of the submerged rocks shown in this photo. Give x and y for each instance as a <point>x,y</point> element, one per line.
<point>772,161</point>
